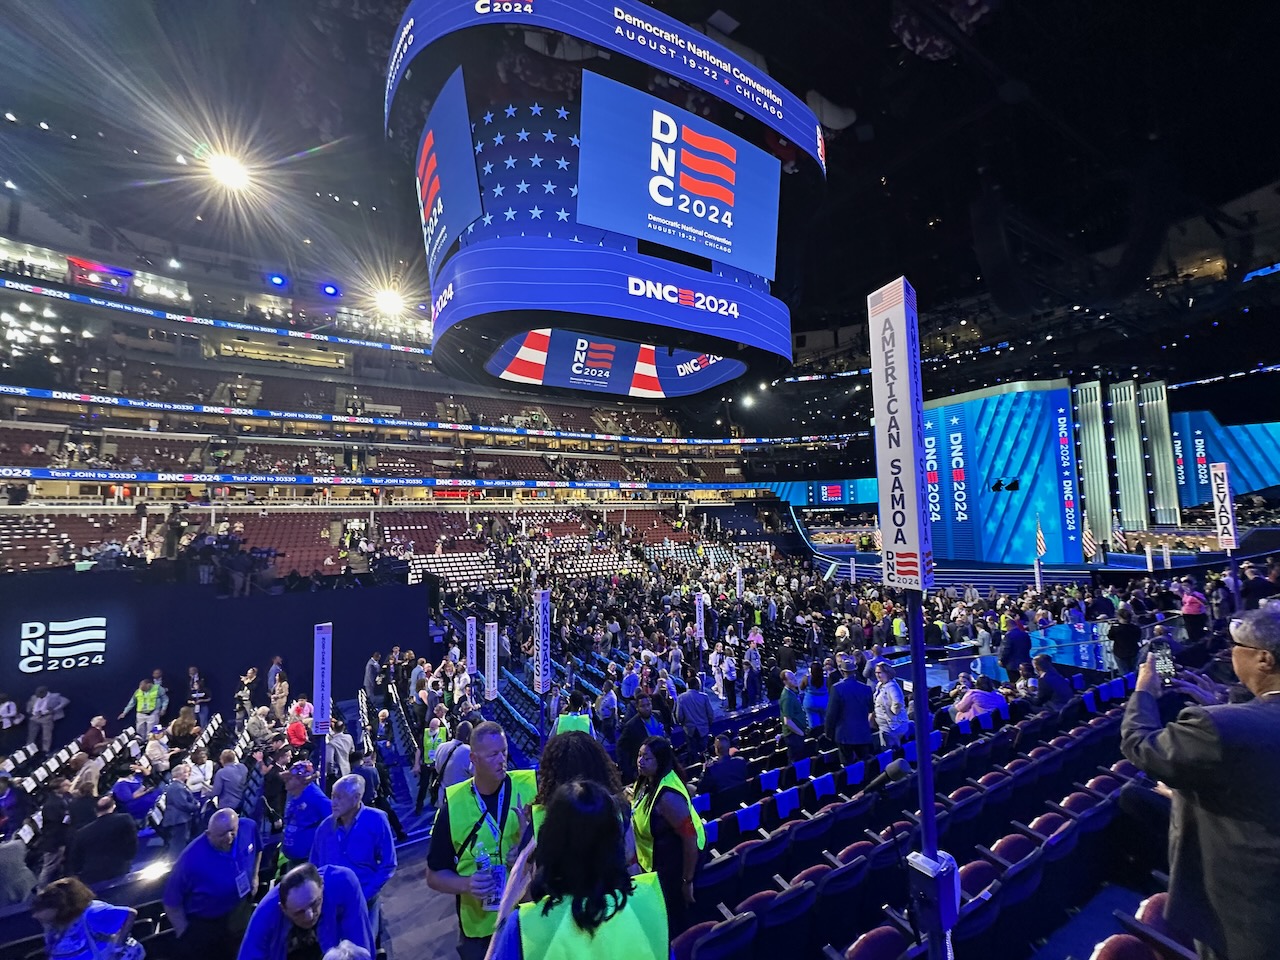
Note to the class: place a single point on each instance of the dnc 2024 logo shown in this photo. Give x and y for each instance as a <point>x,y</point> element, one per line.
<point>693,172</point>
<point>62,644</point>
<point>592,359</point>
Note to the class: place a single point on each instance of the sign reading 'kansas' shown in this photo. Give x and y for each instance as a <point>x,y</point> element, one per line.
<point>651,170</point>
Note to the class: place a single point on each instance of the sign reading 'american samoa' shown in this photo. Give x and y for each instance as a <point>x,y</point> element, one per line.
<point>651,170</point>
<point>899,433</point>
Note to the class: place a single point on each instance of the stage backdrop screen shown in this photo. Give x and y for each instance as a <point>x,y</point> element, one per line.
<point>994,465</point>
<point>448,192</point>
<point>656,172</point>
<point>1252,450</point>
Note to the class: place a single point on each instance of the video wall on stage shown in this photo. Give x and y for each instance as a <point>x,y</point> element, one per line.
<point>1252,450</point>
<point>996,465</point>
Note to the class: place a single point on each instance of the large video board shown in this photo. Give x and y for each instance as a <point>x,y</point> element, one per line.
<point>651,170</point>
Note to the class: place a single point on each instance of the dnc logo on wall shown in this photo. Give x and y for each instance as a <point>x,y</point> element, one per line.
<point>62,644</point>
<point>651,170</point>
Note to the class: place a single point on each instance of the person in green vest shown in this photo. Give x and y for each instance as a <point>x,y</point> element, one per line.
<point>433,738</point>
<point>145,704</point>
<point>480,822</point>
<point>585,903</point>
<point>578,717</point>
<point>669,834</point>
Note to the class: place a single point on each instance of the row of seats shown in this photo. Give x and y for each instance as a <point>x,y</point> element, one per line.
<point>785,834</point>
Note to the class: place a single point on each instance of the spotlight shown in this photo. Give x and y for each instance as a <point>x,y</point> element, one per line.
<point>174,264</point>
<point>329,290</point>
<point>10,185</point>
<point>11,118</point>
<point>748,400</point>
<point>389,302</point>
<point>276,280</point>
<point>228,171</point>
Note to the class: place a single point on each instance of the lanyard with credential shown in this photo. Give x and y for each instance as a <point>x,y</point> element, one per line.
<point>494,826</point>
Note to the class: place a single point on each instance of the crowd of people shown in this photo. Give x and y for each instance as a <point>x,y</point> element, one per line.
<point>602,844</point>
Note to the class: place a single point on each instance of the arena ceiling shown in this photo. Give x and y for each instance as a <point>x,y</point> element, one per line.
<point>1016,161</point>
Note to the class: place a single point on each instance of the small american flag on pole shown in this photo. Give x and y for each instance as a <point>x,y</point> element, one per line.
<point>1117,532</point>
<point>1086,539</point>
<point>1041,548</point>
<point>878,539</point>
<point>889,297</point>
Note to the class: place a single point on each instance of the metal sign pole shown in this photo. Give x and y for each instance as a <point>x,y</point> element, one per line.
<point>907,545</point>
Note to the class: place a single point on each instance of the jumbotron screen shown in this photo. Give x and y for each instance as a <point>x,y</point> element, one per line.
<point>634,220</point>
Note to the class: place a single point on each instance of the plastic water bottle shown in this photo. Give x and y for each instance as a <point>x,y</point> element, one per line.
<point>483,864</point>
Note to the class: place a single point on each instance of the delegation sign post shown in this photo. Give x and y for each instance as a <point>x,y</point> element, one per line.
<point>908,565</point>
<point>1224,519</point>
<point>542,653</point>
<point>471,645</point>
<point>491,661</point>
<point>322,684</point>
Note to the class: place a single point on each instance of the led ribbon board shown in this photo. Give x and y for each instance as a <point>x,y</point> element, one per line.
<point>625,27</point>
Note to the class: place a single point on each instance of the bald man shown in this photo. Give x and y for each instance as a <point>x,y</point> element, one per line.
<point>212,877</point>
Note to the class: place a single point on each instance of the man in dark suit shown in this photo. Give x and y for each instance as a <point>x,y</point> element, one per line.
<point>1053,690</point>
<point>1015,649</point>
<point>726,771</point>
<point>105,848</point>
<point>1219,760</point>
<point>849,707</point>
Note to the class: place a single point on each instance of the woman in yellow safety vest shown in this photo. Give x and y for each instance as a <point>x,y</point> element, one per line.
<point>585,904</point>
<point>669,834</point>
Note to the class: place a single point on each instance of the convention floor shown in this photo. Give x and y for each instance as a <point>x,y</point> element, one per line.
<point>420,923</point>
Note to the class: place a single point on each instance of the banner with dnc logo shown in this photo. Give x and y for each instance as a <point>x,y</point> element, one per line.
<point>651,170</point>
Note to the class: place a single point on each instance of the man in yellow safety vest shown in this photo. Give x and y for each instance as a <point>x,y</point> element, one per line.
<point>476,837</point>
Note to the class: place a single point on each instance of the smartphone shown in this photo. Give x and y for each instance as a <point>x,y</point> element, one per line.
<point>1164,662</point>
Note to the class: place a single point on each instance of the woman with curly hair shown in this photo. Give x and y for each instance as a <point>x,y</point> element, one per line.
<point>584,900</point>
<point>574,756</point>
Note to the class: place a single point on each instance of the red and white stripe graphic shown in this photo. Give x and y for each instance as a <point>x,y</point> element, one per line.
<point>530,362</point>
<point>644,381</point>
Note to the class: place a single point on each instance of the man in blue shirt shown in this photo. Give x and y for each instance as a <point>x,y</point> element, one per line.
<point>211,879</point>
<point>305,808</point>
<point>133,795</point>
<point>309,913</point>
<point>358,837</point>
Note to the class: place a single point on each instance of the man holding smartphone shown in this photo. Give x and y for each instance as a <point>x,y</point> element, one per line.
<point>1219,760</point>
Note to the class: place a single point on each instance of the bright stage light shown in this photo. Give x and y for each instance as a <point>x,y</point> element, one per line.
<point>228,171</point>
<point>329,290</point>
<point>276,280</point>
<point>389,302</point>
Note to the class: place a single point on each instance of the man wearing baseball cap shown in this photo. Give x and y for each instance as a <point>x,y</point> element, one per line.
<point>305,809</point>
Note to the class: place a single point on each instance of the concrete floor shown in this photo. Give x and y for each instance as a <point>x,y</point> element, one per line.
<point>421,924</point>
